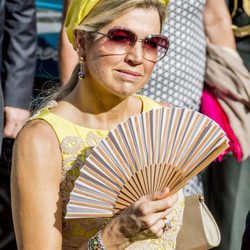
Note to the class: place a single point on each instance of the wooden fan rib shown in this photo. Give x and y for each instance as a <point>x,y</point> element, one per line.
<point>139,131</point>
<point>110,164</point>
<point>155,133</point>
<point>173,133</point>
<point>152,175</point>
<point>199,168</point>
<point>169,175</point>
<point>140,136</point>
<point>158,183</point>
<point>109,172</point>
<point>75,209</point>
<point>156,177</point>
<point>131,188</point>
<point>89,205</point>
<point>175,177</point>
<point>164,171</point>
<point>134,152</point>
<point>133,181</point>
<point>202,154</point>
<point>147,138</point>
<point>184,118</point>
<point>144,176</point>
<point>169,128</point>
<point>188,127</point>
<point>140,181</point>
<point>97,197</point>
<point>197,148</point>
<point>86,216</point>
<point>159,131</point>
<point>165,135</point>
<point>127,131</point>
<point>203,157</point>
<point>98,187</point>
<point>124,165</point>
<point>125,150</point>
<point>125,196</point>
<point>191,125</point>
<point>191,146</point>
<point>149,175</point>
<point>106,181</point>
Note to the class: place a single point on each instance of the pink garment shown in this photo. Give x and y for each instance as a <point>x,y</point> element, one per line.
<point>211,108</point>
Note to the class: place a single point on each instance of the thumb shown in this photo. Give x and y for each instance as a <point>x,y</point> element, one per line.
<point>161,194</point>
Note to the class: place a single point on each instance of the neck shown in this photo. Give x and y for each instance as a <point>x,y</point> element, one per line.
<point>103,110</point>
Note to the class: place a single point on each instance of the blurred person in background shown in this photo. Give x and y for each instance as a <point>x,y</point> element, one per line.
<point>229,176</point>
<point>17,68</point>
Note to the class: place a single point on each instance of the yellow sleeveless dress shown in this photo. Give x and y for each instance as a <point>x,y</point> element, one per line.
<point>76,143</point>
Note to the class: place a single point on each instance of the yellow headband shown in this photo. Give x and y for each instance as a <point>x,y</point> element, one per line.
<point>77,11</point>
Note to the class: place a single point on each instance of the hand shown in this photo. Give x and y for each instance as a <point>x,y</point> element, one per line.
<point>143,220</point>
<point>14,118</point>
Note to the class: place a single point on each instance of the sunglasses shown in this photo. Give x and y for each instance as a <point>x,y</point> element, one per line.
<point>120,40</point>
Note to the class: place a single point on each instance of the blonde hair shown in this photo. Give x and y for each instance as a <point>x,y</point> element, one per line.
<point>97,19</point>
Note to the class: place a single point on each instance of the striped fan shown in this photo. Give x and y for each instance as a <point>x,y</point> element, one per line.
<point>164,147</point>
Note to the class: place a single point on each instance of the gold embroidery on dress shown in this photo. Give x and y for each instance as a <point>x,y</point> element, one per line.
<point>71,145</point>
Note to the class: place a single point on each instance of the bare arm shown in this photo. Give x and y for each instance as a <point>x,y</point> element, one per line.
<point>35,182</point>
<point>67,55</point>
<point>217,22</point>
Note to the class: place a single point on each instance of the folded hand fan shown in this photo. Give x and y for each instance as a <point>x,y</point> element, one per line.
<point>164,147</point>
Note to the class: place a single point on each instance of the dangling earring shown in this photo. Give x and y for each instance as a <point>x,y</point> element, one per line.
<point>81,74</point>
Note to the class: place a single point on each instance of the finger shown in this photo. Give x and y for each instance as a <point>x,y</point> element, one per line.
<point>156,196</point>
<point>152,219</point>
<point>160,195</point>
<point>160,227</point>
<point>151,207</point>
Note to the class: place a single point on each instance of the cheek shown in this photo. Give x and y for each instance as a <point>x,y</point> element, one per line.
<point>149,67</point>
<point>101,64</point>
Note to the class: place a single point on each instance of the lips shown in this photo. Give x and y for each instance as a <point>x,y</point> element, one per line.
<point>129,75</point>
<point>130,72</point>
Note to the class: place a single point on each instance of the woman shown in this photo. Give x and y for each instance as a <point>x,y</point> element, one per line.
<point>115,60</point>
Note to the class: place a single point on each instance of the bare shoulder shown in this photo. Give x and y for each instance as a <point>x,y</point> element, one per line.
<point>165,104</point>
<point>37,133</point>
<point>36,146</point>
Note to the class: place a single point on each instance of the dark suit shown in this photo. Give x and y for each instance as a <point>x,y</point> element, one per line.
<point>17,68</point>
<point>17,52</point>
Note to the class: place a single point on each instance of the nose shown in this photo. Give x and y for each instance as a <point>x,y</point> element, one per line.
<point>134,54</point>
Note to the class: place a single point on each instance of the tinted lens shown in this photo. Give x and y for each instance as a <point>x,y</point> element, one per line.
<point>120,39</point>
<point>155,47</point>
